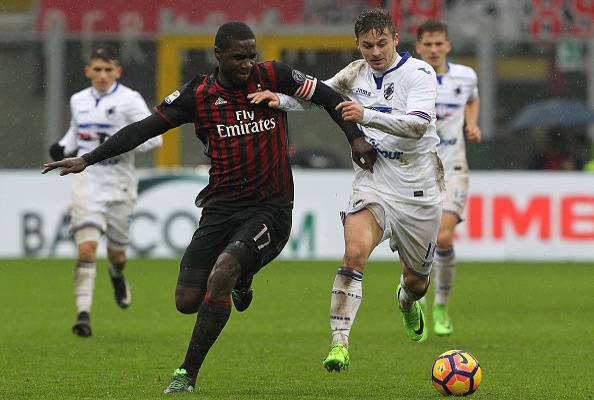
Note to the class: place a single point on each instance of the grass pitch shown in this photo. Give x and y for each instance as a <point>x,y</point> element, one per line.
<point>531,326</point>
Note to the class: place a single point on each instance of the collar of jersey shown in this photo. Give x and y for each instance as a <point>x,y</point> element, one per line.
<point>440,76</point>
<point>379,79</point>
<point>98,96</point>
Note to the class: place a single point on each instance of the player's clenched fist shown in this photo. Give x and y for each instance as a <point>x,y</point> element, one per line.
<point>72,165</point>
<point>473,133</point>
<point>351,111</point>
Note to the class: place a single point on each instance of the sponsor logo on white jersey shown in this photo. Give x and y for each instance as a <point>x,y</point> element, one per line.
<point>363,92</point>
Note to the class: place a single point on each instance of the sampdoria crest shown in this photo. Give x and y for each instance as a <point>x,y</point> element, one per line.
<point>389,91</point>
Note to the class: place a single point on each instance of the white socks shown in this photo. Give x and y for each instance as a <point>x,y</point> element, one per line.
<point>406,298</point>
<point>346,299</point>
<point>445,270</point>
<point>84,284</point>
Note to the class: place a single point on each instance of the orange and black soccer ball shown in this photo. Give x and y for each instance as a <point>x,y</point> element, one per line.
<point>456,373</point>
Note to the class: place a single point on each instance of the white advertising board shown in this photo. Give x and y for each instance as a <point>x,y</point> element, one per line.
<point>509,215</point>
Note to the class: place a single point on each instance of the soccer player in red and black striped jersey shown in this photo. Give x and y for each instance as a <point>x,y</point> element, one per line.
<point>246,217</point>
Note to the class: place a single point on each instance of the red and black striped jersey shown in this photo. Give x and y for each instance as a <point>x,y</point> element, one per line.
<point>246,143</point>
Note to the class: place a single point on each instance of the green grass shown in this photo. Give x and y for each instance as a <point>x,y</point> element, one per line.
<point>531,326</point>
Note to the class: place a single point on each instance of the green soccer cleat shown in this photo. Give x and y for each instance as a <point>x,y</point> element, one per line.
<point>338,358</point>
<point>442,325</point>
<point>414,321</point>
<point>180,382</point>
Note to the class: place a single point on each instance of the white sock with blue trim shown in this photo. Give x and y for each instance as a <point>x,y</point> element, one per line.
<point>347,293</point>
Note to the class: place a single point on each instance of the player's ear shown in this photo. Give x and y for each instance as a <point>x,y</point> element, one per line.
<point>217,53</point>
<point>88,71</point>
<point>396,39</point>
<point>118,72</point>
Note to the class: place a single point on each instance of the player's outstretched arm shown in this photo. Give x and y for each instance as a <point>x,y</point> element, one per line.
<point>121,142</point>
<point>279,100</point>
<point>68,165</point>
<point>421,87</point>
<point>363,154</point>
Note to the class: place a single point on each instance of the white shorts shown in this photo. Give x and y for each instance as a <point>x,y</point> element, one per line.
<point>456,194</point>
<point>411,228</point>
<point>112,218</point>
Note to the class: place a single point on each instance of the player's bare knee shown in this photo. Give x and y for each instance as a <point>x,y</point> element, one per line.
<point>87,250</point>
<point>116,257</point>
<point>354,258</point>
<point>445,239</point>
<point>416,283</point>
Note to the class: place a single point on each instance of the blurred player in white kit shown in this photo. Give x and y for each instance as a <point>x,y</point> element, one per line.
<point>457,109</point>
<point>103,196</point>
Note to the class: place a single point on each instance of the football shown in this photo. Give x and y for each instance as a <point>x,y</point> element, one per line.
<point>456,373</point>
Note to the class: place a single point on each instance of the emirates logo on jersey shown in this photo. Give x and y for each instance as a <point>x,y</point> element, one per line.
<point>246,125</point>
<point>389,91</point>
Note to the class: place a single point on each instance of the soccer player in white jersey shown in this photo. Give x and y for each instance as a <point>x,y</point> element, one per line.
<point>457,109</point>
<point>393,99</point>
<point>103,196</point>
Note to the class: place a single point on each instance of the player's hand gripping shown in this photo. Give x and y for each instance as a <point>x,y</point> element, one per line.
<point>72,165</point>
<point>266,96</point>
<point>364,155</point>
<point>351,111</point>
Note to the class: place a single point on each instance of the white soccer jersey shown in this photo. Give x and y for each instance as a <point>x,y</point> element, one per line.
<point>94,118</point>
<point>406,170</point>
<point>455,89</point>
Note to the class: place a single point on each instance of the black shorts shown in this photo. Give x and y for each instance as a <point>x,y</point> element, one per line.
<point>264,229</point>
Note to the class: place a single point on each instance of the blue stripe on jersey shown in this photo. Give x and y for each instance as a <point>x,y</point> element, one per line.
<point>387,110</point>
<point>421,114</point>
<point>95,124</point>
<point>448,105</point>
<point>379,80</point>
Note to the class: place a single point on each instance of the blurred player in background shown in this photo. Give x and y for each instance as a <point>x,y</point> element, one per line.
<point>103,197</point>
<point>457,109</point>
<point>394,102</point>
<point>247,205</point>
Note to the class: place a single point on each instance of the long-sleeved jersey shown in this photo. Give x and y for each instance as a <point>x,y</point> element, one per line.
<point>399,121</point>
<point>455,88</point>
<point>94,118</point>
<point>247,143</point>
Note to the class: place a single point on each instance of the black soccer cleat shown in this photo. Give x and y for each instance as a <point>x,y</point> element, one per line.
<point>242,298</point>
<point>82,327</point>
<point>121,289</point>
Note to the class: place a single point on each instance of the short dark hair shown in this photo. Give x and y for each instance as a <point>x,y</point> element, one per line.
<point>104,52</point>
<point>229,31</point>
<point>432,25</point>
<point>374,20</point>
